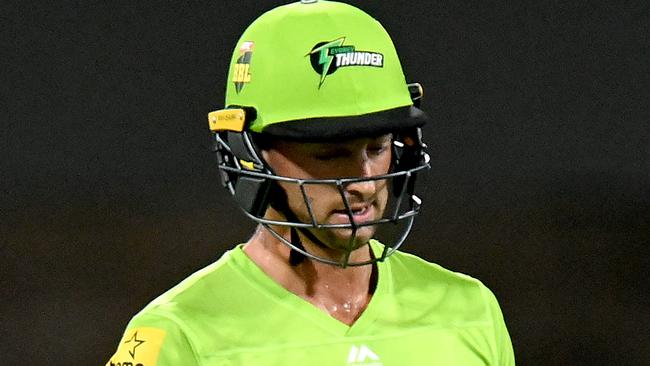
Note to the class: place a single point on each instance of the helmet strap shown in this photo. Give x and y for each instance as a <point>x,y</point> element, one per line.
<point>279,203</point>
<point>295,257</point>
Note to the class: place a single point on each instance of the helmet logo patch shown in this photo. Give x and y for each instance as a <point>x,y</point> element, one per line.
<point>241,71</point>
<point>327,57</point>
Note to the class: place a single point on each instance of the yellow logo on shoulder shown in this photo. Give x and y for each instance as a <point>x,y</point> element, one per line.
<point>138,347</point>
<point>227,120</point>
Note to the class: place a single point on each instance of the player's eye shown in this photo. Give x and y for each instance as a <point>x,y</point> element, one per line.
<point>377,149</point>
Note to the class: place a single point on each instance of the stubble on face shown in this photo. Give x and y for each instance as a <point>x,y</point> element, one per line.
<point>367,199</point>
<point>363,211</point>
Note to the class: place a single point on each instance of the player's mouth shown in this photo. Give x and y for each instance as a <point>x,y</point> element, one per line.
<point>360,213</point>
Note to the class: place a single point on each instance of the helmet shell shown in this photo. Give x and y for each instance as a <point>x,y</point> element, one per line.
<point>308,61</point>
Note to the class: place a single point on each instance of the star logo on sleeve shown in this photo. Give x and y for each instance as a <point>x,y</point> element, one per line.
<point>135,342</point>
<point>139,347</point>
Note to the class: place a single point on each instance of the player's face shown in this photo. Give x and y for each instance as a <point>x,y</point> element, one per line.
<point>362,157</point>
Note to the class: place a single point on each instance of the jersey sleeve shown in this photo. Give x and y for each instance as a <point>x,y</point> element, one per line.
<point>153,340</point>
<point>504,354</point>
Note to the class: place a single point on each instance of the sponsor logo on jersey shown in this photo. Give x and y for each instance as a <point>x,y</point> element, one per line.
<point>241,74</point>
<point>138,347</point>
<point>327,57</point>
<point>363,356</point>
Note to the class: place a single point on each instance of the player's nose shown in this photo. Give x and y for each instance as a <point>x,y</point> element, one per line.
<point>363,188</point>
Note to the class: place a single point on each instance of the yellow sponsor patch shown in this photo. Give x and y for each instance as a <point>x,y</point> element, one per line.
<point>227,120</point>
<point>138,347</point>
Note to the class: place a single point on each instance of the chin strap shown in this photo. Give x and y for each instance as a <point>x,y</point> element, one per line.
<point>279,203</point>
<point>295,257</point>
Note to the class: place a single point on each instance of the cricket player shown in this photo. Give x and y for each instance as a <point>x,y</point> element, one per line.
<point>320,143</point>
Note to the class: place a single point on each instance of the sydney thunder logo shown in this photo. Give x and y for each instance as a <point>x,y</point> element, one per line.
<point>327,57</point>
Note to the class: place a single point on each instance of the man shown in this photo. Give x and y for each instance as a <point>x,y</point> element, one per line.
<point>320,144</point>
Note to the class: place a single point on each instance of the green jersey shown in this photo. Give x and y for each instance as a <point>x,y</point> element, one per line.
<point>232,313</point>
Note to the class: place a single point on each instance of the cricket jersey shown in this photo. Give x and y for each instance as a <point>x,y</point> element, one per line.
<point>232,313</point>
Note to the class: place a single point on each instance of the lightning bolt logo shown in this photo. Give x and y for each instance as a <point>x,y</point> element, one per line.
<point>328,56</point>
<point>325,58</point>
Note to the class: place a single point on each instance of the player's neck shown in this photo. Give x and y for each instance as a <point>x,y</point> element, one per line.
<point>341,292</point>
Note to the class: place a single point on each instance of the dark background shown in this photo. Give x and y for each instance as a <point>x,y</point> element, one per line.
<point>540,184</point>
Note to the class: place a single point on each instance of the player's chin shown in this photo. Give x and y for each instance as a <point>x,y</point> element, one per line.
<point>349,239</point>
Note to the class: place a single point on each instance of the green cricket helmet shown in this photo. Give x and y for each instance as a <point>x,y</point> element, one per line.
<point>317,71</point>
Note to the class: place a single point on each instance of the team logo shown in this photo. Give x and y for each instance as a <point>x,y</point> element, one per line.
<point>363,356</point>
<point>138,347</point>
<point>241,72</point>
<point>327,57</point>
<point>134,342</point>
